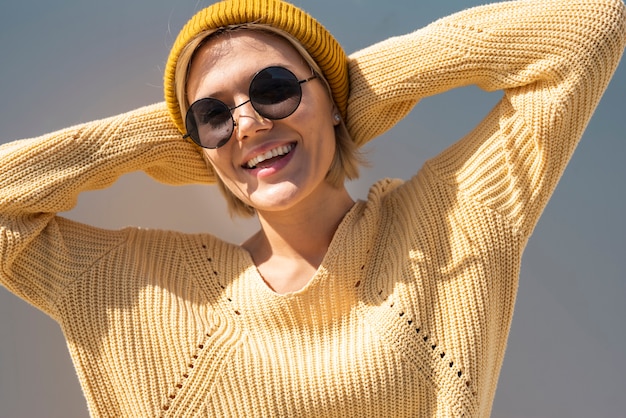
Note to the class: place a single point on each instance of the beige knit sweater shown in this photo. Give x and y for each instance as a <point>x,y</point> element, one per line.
<point>409,312</point>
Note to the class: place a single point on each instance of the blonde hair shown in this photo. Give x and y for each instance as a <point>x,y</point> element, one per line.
<point>347,159</point>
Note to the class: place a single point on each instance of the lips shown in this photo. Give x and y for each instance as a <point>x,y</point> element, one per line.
<point>273,153</point>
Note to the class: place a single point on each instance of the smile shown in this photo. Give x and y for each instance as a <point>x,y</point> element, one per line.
<point>273,153</point>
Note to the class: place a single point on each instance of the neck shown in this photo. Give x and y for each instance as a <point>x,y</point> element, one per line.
<point>302,234</point>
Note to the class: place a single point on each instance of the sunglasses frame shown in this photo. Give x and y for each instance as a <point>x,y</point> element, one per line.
<point>225,140</point>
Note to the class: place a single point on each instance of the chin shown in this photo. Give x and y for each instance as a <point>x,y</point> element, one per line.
<point>277,200</point>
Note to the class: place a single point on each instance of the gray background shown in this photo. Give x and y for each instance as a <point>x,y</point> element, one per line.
<point>70,61</point>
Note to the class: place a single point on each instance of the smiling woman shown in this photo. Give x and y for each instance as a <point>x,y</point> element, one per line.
<point>346,160</point>
<point>399,304</point>
<point>295,183</point>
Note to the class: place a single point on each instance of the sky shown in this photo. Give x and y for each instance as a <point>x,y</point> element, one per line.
<point>71,61</point>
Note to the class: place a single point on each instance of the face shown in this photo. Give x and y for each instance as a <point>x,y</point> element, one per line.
<point>303,143</point>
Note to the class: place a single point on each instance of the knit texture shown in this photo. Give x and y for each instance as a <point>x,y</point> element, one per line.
<point>409,312</point>
<point>318,42</point>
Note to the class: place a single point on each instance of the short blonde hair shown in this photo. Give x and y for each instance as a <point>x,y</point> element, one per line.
<point>347,159</point>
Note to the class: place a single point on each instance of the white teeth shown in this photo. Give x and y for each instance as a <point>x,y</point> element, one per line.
<point>282,150</point>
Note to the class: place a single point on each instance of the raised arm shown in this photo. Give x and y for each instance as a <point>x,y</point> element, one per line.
<point>552,58</point>
<point>41,252</point>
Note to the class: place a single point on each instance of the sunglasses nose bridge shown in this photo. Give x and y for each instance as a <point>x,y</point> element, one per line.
<point>244,113</point>
<point>247,120</point>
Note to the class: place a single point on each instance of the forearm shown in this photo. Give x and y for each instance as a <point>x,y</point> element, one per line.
<point>46,174</point>
<point>499,46</point>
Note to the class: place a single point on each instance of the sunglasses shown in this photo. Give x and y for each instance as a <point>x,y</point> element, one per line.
<point>275,93</point>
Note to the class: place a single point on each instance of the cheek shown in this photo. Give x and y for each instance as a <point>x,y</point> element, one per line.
<point>318,123</point>
<point>213,164</point>
<point>221,165</point>
<point>322,130</point>
<point>217,159</point>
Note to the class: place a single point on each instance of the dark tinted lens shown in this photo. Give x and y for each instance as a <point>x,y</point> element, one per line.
<point>209,123</point>
<point>275,93</point>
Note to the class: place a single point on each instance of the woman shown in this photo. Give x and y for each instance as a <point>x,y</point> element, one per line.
<point>395,306</point>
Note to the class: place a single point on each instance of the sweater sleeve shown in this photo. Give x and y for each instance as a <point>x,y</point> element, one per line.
<point>552,58</point>
<point>40,252</point>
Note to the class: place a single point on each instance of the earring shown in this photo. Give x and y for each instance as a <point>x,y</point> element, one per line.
<point>337,117</point>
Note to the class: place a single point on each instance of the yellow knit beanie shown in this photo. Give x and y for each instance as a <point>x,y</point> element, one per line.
<point>319,43</point>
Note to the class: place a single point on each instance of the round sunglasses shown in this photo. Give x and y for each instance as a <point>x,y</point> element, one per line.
<point>275,93</point>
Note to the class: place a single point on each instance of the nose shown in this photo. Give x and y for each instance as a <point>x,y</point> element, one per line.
<point>248,121</point>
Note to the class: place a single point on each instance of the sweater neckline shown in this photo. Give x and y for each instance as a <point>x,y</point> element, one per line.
<point>258,284</point>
